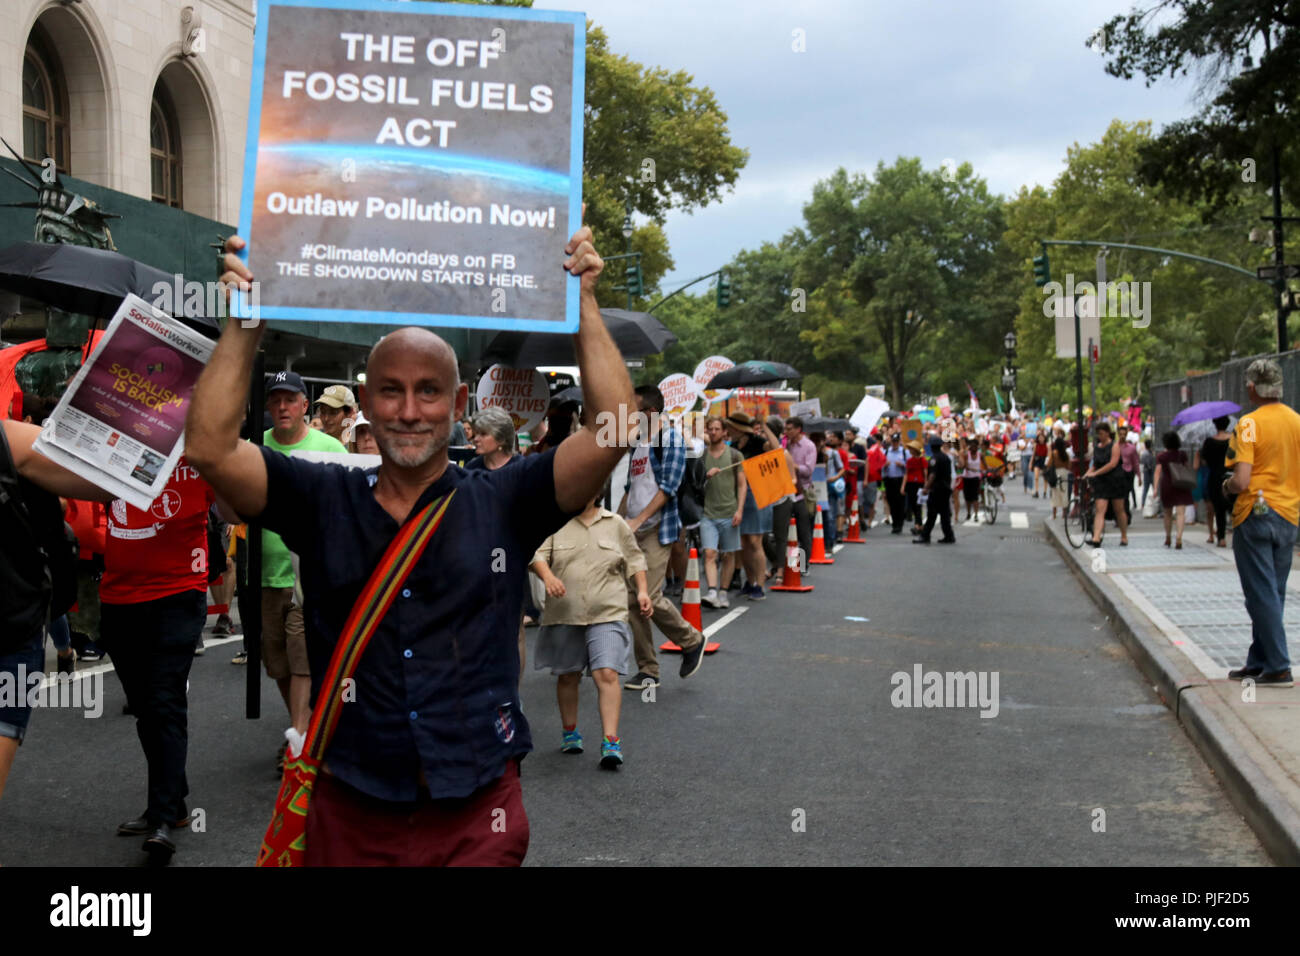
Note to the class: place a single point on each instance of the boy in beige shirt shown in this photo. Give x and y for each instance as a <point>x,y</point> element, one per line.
<point>587,566</point>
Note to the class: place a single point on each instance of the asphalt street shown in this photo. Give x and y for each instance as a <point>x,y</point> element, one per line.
<point>785,749</point>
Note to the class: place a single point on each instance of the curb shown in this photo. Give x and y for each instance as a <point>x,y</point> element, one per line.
<point>1252,779</point>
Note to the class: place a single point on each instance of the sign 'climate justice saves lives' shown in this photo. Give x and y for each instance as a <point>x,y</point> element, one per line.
<point>414,163</point>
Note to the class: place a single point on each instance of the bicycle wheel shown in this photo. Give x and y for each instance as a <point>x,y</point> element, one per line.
<point>990,505</point>
<point>1076,516</point>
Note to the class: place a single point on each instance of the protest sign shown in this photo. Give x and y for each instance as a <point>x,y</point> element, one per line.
<point>520,392</point>
<point>868,412</point>
<point>679,394</point>
<point>820,491</point>
<point>414,163</point>
<point>704,372</point>
<point>809,408</point>
<point>769,478</point>
<point>909,429</point>
<point>945,409</point>
<point>121,422</point>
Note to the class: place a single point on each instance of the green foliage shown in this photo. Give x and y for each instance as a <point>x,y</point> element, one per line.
<point>898,266</point>
<point>652,138</point>
<point>1199,315</point>
<point>1249,109</point>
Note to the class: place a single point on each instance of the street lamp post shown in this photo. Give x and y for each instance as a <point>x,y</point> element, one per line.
<point>1009,371</point>
<point>627,235</point>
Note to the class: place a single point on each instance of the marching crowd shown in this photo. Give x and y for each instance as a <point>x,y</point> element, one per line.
<point>412,767</point>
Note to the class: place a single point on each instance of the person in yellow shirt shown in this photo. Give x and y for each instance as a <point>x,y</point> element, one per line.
<point>1264,458</point>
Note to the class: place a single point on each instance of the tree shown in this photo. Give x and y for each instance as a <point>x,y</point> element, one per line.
<point>652,138</point>
<point>893,259</point>
<point>1252,108</point>
<point>1198,314</point>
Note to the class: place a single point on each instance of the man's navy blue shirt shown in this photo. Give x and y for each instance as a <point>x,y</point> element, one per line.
<point>437,688</point>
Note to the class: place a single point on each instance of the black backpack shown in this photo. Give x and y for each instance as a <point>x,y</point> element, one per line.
<point>690,493</point>
<point>38,556</point>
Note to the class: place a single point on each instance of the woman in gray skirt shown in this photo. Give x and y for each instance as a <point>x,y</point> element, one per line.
<point>588,566</point>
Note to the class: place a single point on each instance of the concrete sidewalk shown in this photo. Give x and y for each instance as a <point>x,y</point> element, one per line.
<point>1182,616</point>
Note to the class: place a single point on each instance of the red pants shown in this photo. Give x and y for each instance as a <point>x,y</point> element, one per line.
<point>348,828</point>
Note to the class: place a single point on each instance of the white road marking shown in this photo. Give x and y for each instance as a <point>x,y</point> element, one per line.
<point>723,621</point>
<point>837,548</point>
<point>1019,519</point>
<point>104,668</point>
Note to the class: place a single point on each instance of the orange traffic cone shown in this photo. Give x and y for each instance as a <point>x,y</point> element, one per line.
<point>819,544</point>
<point>691,605</point>
<point>855,535</point>
<point>792,579</point>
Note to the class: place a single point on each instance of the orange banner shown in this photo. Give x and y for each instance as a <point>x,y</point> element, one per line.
<point>768,477</point>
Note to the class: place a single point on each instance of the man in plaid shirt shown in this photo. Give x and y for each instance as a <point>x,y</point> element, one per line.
<point>650,505</point>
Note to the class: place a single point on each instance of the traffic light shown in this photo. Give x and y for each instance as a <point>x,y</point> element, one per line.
<point>633,279</point>
<point>724,291</point>
<point>1042,269</point>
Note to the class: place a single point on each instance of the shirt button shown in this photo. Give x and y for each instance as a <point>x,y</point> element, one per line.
<point>414,716</point>
<point>406,654</point>
<point>406,592</point>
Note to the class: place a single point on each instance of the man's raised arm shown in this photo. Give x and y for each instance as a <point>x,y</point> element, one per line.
<point>582,462</point>
<point>234,468</point>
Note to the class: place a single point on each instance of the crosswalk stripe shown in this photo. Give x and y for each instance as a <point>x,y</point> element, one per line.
<point>1019,519</point>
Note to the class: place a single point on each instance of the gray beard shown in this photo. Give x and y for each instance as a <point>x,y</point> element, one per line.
<point>408,457</point>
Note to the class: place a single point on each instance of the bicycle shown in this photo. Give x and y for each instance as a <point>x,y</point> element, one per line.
<point>1079,512</point>
<point>989,497</point>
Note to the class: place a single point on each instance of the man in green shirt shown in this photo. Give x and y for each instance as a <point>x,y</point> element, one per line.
<point>284,641</point>
<point>724,505</point>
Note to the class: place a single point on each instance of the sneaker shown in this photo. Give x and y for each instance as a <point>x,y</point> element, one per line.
<point>199,649</point>
<point>756,593</point>
<point>90,653</point>
<point>572,743</point>
<point>641,681</point>
<point>1244,672</point>
<point>692,659</point>
<point>67,665</point>
<point>225,627</point>
<point>611,754</point>
<point>711,599</point>
<point>723,600</point>
<point>240,658</point>
<point>1275,679</point>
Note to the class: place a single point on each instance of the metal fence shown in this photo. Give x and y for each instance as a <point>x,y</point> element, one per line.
<point>1228,383</point>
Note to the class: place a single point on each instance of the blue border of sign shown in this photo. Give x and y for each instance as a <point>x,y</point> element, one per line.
<point>239,308</point>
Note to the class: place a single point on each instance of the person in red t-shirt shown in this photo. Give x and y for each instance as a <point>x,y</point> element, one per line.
<point>875,474</point>
<point>916,468</point>
<point>153,604</point>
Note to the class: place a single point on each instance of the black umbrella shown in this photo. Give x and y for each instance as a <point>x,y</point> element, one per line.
<point>571,394</point>
<point>811,425</point>
<point>753,372</point>
<point>637,334</point>
<point>85,280</point>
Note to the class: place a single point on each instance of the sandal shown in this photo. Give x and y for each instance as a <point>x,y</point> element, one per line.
<point>1178,546</point>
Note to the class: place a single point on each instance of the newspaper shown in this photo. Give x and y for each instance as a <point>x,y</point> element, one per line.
<point>121,423</point>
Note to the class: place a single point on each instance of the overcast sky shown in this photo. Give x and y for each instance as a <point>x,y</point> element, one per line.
<point>1007,85</point>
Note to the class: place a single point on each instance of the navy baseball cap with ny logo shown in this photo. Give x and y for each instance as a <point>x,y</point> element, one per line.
<point>285,381</point>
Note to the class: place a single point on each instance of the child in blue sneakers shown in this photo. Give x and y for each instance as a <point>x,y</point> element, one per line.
<point>587,567</point>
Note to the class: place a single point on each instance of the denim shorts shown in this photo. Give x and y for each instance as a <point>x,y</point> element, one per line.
<point>755,520</point>
<point>31,658</point>
<point>717,534</point>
